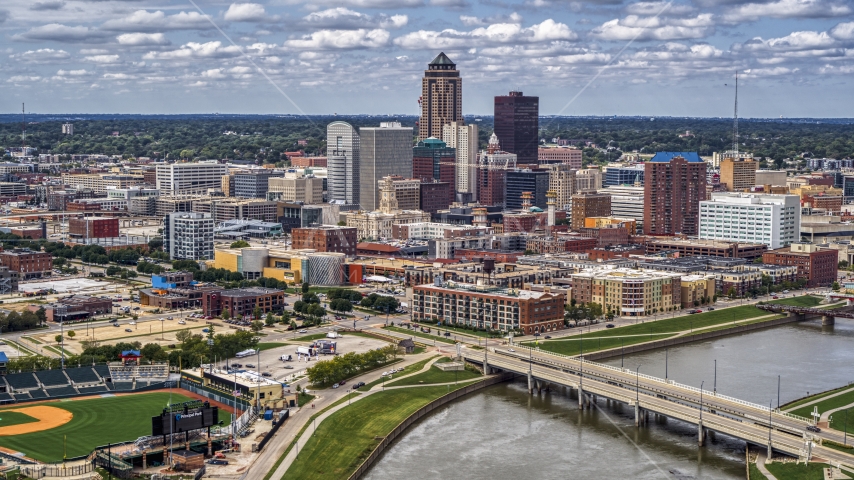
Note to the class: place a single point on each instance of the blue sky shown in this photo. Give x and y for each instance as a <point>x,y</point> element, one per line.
<point>613,57</point>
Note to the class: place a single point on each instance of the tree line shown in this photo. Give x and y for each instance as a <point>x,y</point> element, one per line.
<point>341,367</point>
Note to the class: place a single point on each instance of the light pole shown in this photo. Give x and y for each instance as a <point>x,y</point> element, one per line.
<point>666,355</point>
<point>778,392</point>
<point>701,401</point>
<point>715,385</point>
<point>637,385</point>
<point>770,426</point>
<point>845,437</point>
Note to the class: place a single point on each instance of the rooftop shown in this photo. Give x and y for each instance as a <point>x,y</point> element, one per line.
<point>511,293</point>
<point>442,59</point>
<point>249,292</point>
<point>663,157</point>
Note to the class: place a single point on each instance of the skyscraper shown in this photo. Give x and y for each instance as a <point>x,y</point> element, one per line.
<point>516,124</point>
<point>342,152</point>
<point>492,173</point>
<point>441,97</point>
<point>188,236</point>
<point>674,185</point>
<point>463,138</point>
<point>383,151</point>
<point>562,182</point>
<point>738,174</point>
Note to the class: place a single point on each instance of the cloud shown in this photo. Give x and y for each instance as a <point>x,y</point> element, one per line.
<point>454,4</point>
<point>4,15</point>
<point>42,55</point>
<point>342,18</point>
<point>72,73</point>
<point>21,79</point>
<point>56,32</point>
<point>138,39</point>
<point>245,12</point>
<point>655,28</point>
<point>496,34</point>
<point>102,59</point>
<point>470,21</point>
<point>195,50</point>
<point>143,21</point>
<point>341,40</point>
<point>752,12</point>
<point>48,5</point>
<point>843,31</point>
<point>654,8</point>
<point>387,4</point>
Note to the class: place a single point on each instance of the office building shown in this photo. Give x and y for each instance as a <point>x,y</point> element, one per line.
<point>534,181</point>
<point>674,185</point>
<point>774,220</point>
<point>718,157</point>
<point>223,209</point>
<point>100,182</point>
<point>632,175</point>
<point>378,224</point>
<point>562,182</point>
<point>68,129</point>
<point>9,280</point>
<point>816,265</point>
<point>188,236</point>
<point>588,179</point>
<point>517,124</point>
<point>435,196</point>
<point>738,175</point>
<point>493,166</point>
<point>93,227</point>
<point>384,150</point>
<point>253,184</point>
<point>490,307</point>
<point>432,159</point>
<point>296,189</point>
<point>463,139</point>
<point>28,263</point>
<point>342,154</point>
<point>326,238</point>
<point>570,156</point>
<point>589,205</point>
<point>771,177</point>
<point>627,202</point>
<point>441,97</point>
<point>241,302</point>
<point>178,178</point>
<point>629,292</point>
<point>406,190</point>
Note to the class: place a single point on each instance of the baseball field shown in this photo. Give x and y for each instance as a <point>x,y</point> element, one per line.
<point>38,430</point>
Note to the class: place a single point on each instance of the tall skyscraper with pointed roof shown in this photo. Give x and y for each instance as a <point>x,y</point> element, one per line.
<point>441,97</point>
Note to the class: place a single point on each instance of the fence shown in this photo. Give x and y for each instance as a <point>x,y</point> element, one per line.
<point>225,399</point>
<point>57,470</point>
<point>273,430</point>
<point>422,412</point>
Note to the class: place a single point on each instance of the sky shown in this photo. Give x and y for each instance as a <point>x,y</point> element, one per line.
<point>795,58</point>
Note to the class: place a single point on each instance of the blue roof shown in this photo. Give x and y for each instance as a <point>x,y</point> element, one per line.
<point>130,352</point>
<point>3,358</point>
<point>667,156</point>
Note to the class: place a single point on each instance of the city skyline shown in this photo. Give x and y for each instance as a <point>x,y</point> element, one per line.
<point>606,58</point>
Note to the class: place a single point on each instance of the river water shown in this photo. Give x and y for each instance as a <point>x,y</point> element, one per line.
<point>503,433</point>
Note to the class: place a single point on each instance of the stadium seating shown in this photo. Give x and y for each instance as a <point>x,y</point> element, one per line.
<point>122,386</point>
<point>61,391</point>
<point>103,371</point>
<point>52,377</point>
<point>82,375</point>
<point>5,397</point>
<point>38,393</point>
<point>92,390</point>
<point>22,396</point>
<point>22,381</point>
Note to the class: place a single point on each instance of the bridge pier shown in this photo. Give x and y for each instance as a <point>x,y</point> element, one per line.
<point>530,383</point>
<point>637,415</point>
<point>580,398</point>
<point>770,451</point>
<point>701,434</point>
<point>799,317</point>
<point>828,320</point>
<point>539,386</point>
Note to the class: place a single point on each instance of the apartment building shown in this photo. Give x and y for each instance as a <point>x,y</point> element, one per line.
<point>629,292</point>
<point>188,236</point>
<point>569,156</point>
<point>296,189</point>
<point>28,263</point>
<point>198,177</point>
<point>774,220</point>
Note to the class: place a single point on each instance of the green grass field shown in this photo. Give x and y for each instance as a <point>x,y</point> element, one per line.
<point>96,422</point>
<point>434,375</point>
<point>790,471</point>
<point>755,474</point>
<point>839,417</point>
<point>416,333</point>
<point>802,301</point>
<point>7,419</point>
<point>348,436</point>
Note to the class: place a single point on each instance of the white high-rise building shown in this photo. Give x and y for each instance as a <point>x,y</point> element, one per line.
<point>342,157</point>
<point>464,139</point>
<point>68,128</point>
<point>774,220</point>
<point>383,151</point>
<point>626,202</point>
<point>189,236</point>
<point>190,177</point>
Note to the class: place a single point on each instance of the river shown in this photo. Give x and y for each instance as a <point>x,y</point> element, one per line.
<point>503,433</point>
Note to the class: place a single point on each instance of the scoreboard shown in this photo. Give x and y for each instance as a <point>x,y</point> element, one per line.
<point>181,418</point>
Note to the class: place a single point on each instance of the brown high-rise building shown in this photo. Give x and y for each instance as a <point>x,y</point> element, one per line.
<point>516,125</point>
<point>674,185</point>
<point>738,174</point>
<point>441,97</point>
<point>586,205</point>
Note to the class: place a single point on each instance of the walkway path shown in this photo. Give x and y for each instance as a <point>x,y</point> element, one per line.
<point>827,414</point>
<point>819,399</point>
<point>760,464</point>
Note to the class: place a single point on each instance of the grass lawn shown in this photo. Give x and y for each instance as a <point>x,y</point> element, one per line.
<point>94,424</point>
<point>7,419</point>
<point>304,398</point>
<point>593,343</point>
<point>268,346</point>
<point>789,406</point>
<point>408,369</point>
<point>434,375</point>
<point>838,422</point>
<point>308,338</point>
<point>474,333</point>
<point>348,436</point>
<point>33,340</point>
<point>755,474</point>
<point>802,301</point>
<point>790,471</point>
<point>417,333</point>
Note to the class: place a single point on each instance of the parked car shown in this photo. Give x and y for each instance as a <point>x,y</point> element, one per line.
<point>302,331</point>
<point>336,385</point>
<point>181,322</point>
<point>691,312</point>
<point>250,365</point>
<point>206,330</point>
<point>168,318</point>
<point>127,329</point>
<point>266,374</point>
<point>610,325</point>
<point>131,323</point>
<point>136,308</point>
<point>289,367</point>
<point>342,382</point>
<point>115,324</point>
<point>510,350</point>
<point>775,297</point>
<point>698,311</point>
<point>447,334</point>
<point>358,385</point>
<point>237,365</point>
<point>710,309</point>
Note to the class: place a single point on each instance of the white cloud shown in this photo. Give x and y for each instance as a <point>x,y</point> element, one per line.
<point>658,7</point>
<point>138,39</point>
<point>118,76</point>
<point>341,18</point>
<point>655,28</point>
<point>195,50</point>
<point>341,39</point>
<point>843,31</point>
<point>22,79</point>
<point>387,4</point>
<point>72,73</point>
<point>752,12</point>
<point>102,59</point>
<point>499,33</point>
<point>153,22</point>
<point>245,12</point>
<point>47,5</point>
<point>57,32</point>
<point>42,55</point>
<point>470,21</point>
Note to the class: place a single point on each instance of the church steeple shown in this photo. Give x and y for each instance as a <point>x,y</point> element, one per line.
<point>388,196</point>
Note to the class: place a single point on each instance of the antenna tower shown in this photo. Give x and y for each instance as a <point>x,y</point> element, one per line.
<point>23,130</point>
<point>735,121</point>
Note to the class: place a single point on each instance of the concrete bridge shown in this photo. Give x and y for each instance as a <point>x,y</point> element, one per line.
<point>710,411</point>
<point>827,315</point>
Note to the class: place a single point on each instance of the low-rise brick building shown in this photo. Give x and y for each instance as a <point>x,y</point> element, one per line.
<point>93,227</point>
<point>326,239</point>
<point>816,265</point>
<point>28,263</point>
<point>241,302</point>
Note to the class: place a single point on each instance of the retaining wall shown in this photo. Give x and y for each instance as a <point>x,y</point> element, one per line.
<point>422,412</point>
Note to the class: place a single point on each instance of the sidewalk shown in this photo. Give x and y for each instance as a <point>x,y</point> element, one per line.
<point>760,464</point>
<point>820,399</point>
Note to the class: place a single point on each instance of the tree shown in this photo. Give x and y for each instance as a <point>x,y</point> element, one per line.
<point>41,313</point>
<point>225,315</point>
<point>293,325</point>
<point>257,326</point>
<point>305,288</point>
<point>155,243</point>
<point>731,292</point>
<point>270,320</point>
<point>58,338</point>
<point>834,286</point>
<point>342,223</point>
<point>843,264</point>
<point>257,312</point>
<point>341,305</point>
<point>58,261</point>
<point>240,244</point>
<point>594,310</point>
